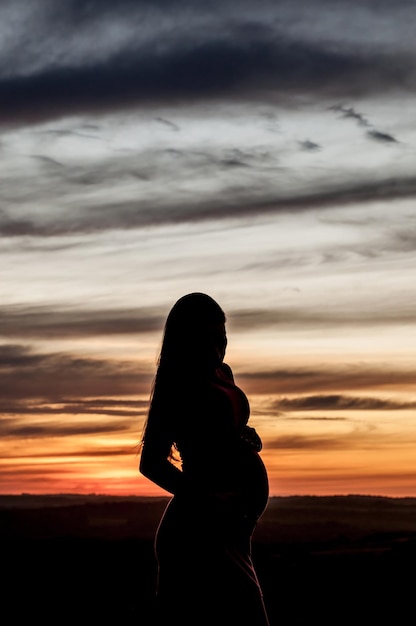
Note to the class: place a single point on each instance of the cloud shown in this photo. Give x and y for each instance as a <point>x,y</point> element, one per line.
<point>27,374</point>
<point>39,430</point>
<point>348,112</point>
<point>221,69</point>
<point>70,380</point>
<point>80,452</point>
<point>51,323</point>
<point>372,133</point>
<point>251,199</point>
<point>321,418</point>
<point>326,380</point>
<point>337,402</point>
<point>379,136</point>
<point>309,146</point>
<point>168,123</point>
<point>304,317</point>
<point>64,406</point>
<point>101,56</point>
<point>358,438</point>
<point>302,442</point>
<point>47,160</point>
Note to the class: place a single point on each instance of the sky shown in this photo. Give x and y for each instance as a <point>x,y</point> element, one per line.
<point>261,152</point>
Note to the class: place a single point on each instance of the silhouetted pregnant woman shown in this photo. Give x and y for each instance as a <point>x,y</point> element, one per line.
<point>198,416</point>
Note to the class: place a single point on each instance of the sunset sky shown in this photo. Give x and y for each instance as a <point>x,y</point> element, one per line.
<point>263,152</point>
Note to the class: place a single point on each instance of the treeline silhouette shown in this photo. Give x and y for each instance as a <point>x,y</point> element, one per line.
<point>89,559</point>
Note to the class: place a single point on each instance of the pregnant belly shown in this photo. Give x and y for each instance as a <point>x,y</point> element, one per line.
<point>237,478</point>
<point>254,486</point>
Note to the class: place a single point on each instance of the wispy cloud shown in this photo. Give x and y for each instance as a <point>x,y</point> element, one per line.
<point>29,374</point>
<point>41,429</point>
<point>304,317</point>
<point>301,442</point>
<point>340,402</point>
<point>380,136</point>
<point>66,406</point>
<point>327,379</point>
<point>348,112</point>
<point>226,204</point>
<point>48,323</point>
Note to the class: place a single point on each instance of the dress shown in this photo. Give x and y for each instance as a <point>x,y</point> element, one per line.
<point>203,541</point>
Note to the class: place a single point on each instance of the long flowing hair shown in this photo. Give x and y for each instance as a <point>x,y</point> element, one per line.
<point>187,352</point>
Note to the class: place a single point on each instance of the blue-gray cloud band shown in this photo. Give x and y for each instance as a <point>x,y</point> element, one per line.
<point>177,51</point>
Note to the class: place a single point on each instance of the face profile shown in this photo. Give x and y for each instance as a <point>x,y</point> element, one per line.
<point>220,341</point>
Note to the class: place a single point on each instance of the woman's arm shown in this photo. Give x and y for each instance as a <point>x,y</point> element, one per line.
<point>156,458</point>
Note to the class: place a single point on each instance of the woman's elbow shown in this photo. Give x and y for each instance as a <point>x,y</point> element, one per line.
<point>145,465</point>
<point>149,465</point>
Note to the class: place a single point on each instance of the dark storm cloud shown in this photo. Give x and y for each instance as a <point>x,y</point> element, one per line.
<point>217,69</point>
<point>92,56</point>
<point>26,374</point>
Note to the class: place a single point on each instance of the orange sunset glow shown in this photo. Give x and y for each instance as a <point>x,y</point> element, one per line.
<point>281,184</point>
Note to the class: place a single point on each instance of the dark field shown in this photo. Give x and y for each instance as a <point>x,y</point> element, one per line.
<point>321,560</point>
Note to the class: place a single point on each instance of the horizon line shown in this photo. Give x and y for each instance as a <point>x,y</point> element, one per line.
<point>168,496</point>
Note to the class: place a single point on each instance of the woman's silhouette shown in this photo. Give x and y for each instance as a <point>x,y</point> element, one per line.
<point>197,446</point>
